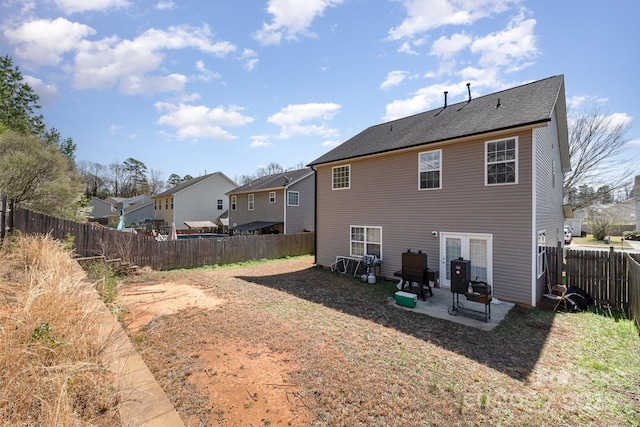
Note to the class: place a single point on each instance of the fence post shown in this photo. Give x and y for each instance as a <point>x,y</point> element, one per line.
<point>612,276</point>
<point>3,214</point>
<point>559,263</point>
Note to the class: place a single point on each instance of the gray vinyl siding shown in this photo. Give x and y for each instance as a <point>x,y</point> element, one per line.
<point>262,209</point>
<point>301,217</point>
<point>384,192</point>
<point>549,191</point>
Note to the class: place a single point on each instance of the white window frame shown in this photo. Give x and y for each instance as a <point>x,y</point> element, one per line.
<point>541,260</point>
<point>366,242</point>
<point>272,196</point>
<point>289,194</point>
<point>488,164</point>
<point>340,184</point>
<point>424,166</point>
<point>251,202</point>
<point>234,202</point>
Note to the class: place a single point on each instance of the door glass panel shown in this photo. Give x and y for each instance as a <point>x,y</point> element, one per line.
<point>478,257</point>
<point>453,251</point>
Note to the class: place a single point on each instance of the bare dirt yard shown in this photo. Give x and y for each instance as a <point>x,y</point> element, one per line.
<point>284,343</point>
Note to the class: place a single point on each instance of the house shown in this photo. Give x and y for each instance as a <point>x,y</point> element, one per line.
<point>278,203</point>
<point>199,199</point>
<point>479,179</point>
<point>137,209</point>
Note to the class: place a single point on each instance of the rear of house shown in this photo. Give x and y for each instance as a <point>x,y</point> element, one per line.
<point>481,180</point>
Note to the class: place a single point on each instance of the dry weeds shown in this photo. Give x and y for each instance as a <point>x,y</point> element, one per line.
<point>49,374</point>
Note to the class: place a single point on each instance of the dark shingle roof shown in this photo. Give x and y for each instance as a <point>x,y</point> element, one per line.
<point>270,182</point>
<point>519,106</point>
<point>186,184</point>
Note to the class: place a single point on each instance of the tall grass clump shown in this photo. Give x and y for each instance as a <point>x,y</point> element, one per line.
<point>49,335</point>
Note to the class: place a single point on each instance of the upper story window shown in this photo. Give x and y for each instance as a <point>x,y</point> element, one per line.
<point>501,161</point>
<point>272,196</point>
<point>172,203</point>
<point>234,202</point>
<point>250,204</point>
<point>220,204</point>
<point>429,169</point>
<point>166,203</point>
<point>366,241</point>
<point>293,198</point>
<point>340,178</point>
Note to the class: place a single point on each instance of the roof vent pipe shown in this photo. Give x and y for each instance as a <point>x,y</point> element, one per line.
<point>469,90</point>
<point>445,98</point>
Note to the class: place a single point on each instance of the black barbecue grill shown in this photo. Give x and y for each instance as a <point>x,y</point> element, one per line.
<point>473,290</point>
<point>414,270</point>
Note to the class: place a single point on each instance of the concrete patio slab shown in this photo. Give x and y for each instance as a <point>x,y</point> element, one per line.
<point>438,306</point>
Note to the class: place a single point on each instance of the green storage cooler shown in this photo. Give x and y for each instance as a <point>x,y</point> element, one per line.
<point>406,299</point>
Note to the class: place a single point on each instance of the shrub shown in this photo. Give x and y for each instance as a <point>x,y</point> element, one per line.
<point>631,235</point>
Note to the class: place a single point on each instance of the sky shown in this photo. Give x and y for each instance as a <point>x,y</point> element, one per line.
<point>201,86</point>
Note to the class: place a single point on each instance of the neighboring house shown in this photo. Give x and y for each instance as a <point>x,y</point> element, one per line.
<point>199,199</point>
<point>279,203</point>
<point>479,179</point>
<point>136,209</point>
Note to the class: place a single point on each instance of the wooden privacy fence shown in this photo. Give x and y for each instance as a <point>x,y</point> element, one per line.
<point>611,277</point>
<point>91,240</point>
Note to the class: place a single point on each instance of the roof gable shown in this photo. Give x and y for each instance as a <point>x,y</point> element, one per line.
<point>275,181</point>
<point>184,185</point>
<point>524,105</point>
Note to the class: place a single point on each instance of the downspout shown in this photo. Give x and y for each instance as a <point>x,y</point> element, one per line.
<point>284,200</point>
<point>534,225</point>
<point>315,216</point>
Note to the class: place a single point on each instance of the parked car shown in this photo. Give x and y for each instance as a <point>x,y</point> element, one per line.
<point>567,235</point>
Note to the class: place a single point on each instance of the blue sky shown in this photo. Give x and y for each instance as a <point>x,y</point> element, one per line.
<point>200,86</point>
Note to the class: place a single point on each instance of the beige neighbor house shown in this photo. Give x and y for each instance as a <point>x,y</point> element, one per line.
<point>279,203</point>
<point>479,179</point>
<point>199,200</point>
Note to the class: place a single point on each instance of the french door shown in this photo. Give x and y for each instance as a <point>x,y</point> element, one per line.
<point>474,247</point>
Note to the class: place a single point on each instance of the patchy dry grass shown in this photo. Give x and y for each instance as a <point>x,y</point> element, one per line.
<point>49,374</point>
<point>355,359</point>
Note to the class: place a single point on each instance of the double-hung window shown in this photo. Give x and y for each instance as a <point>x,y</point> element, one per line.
<point>220,204</point>
<point>501,161</point>
<point>542,253</point>
<point>250,204</point>
<point>272,196</point>
<point>429,170</point>
<point>340,177</point>
<point>234,202</point>
<point>366,241</point>
<point>293,198</point>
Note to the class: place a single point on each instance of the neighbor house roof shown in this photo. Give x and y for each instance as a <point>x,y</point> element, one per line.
<point>526,105</point>
<point>274,182</point>
<point>183,185</point>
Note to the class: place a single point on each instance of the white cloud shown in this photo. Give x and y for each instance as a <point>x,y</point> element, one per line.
<point>394,78</point>
<point>201,122</point>
<point>290,19</point>
<point>425,15</point>
<point>634,142</point>
<point>448,47</point>
<point>516,43</point>
<point>102,64</point>
<point>260,141</point>
<point>290,119</point>
<point>205,75</point>
<point>251,59</point>
<point>165,5</point>
<point>73,6</point>
<point>43,42</point>
<point>46,92</point>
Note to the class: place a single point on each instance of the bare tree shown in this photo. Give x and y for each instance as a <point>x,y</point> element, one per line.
<point>156,183</point>
<point>596,145</point>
